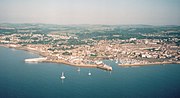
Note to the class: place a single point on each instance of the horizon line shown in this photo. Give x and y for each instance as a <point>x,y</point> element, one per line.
<point>89,24</point>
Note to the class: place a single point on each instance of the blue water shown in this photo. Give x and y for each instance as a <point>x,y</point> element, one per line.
<point>22,80</point>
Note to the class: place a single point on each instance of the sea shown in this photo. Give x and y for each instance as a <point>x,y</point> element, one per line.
<point>42,80</point>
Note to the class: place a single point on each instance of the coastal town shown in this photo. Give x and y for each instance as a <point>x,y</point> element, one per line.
<point>71,49</point>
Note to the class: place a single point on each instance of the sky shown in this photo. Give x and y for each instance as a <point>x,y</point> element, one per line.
<point>150,12</point>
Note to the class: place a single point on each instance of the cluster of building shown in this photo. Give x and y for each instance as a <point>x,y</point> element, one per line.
<point>125,52</point>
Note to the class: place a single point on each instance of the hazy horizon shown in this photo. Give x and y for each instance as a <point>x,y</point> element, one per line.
<point>110,12</point>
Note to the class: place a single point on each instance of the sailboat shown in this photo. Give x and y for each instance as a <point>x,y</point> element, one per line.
<point>116,61</point>
<point>89,73</point>
<point>78,69</point>
<point>62,76</point>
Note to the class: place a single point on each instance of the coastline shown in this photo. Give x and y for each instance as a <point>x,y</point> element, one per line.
<point>24,49</point>
<point>108,68</point>
<point>67,63</point>
<point>41,54</point>
<point>148,64</point>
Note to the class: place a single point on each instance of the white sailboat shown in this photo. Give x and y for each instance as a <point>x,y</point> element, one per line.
<point>89,73</point>
<point>62,76</point>
<point>78,69</point>
<point>116,61</point>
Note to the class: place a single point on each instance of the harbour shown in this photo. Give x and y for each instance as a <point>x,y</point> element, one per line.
<point>89,49</point>
<point>43,79</point>
<point>100,66</point>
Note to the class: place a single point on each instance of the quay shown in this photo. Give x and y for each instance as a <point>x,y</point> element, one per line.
<point>100,66</point>
<point>105,67</point>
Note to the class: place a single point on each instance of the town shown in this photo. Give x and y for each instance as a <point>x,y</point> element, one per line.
<point>86,47</point>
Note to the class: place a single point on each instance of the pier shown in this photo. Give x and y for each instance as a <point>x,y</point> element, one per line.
<point>104,67</point>
<point>97,64</point>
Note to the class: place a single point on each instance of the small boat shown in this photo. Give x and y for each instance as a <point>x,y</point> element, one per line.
<point>89,73</point>
<point>116,61</point>
<point>62,76</point>
<point>110,72</point>
<point>78,69</point>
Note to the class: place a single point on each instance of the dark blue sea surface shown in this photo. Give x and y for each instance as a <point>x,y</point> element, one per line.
<point>27,80</point>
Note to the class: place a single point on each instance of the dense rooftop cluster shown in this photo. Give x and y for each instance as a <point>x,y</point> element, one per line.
<point>127,45</point>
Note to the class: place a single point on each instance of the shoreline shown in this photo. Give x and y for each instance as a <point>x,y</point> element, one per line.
<point>67,63</point>
<point>148,64</point>
<point>108,68</point>
<point>84,65</point>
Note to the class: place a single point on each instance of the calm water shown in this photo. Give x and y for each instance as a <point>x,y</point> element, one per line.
<point>42,80</point>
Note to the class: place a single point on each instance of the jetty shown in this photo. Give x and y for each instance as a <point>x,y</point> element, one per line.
<point>99,65</point>
<point>103,66</point>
